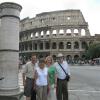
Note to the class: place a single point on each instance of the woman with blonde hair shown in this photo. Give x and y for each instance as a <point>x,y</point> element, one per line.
<point>51,78</point>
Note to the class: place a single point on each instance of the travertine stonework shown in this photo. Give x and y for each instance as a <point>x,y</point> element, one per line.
<point>63,31</point>
<point>9,49</point>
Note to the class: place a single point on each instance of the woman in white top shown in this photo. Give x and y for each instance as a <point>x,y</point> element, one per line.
<point>41,76</point>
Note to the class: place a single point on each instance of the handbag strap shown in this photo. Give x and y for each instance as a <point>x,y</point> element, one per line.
<point>63,69</point>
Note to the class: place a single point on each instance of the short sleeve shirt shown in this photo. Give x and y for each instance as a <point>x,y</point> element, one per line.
<point>29,70</point>
<point>60,73</point>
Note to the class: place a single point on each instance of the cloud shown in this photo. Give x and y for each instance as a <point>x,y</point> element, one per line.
<point>89,8</point>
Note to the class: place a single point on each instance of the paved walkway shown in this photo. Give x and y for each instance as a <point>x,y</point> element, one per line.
<point>74,93</point>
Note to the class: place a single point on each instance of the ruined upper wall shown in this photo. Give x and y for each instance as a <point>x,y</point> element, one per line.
<point>54,18</point>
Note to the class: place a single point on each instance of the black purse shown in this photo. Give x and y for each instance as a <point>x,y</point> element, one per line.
<point>67,76</point>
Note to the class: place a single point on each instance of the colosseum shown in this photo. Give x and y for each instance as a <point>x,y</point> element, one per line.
<point>49,33</point>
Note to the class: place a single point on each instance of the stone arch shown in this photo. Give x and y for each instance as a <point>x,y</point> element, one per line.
<point>35,46</point>
<point>42,33</point>
<point>61,31</point>
<point>54,45</point>
<point>47,45</point>
<point>68,45</point>
<point>21,47</point>
<point>31,35</point>
<point>54,32</point>
<point>75,30</point>
<point>68,57</point>
<point>41,46</point>
<point>61,45</point>
<point>83,33</point>
<point>48,32</point>
<point>26,46</point>
<point>30,46</point>
<point>26,36</point>
<point>36,34</point>
<point>76,45</point>
<point>84,45</point>
<point>76,57</point>
<point>68,31</point>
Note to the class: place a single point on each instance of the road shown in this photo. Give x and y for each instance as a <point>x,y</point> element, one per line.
<point>84,83</point>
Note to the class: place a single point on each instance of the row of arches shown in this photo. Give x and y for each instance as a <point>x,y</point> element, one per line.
<point>67,32</point>
<point>53,45</point>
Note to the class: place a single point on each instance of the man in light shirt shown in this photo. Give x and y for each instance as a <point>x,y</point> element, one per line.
<point>62,83</point>
<point>28,77</point>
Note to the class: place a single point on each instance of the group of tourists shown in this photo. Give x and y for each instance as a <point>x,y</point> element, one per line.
<point>45,79</point>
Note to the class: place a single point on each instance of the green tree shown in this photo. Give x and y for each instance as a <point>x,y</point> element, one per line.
<point>93,51</point>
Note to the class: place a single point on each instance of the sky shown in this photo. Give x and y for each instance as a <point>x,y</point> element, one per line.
<point>89,8</point>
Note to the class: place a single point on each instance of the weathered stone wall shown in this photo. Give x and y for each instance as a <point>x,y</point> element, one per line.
<point>63,31</point>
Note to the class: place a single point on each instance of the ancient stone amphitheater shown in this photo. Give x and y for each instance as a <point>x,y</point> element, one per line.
<point>63,31</point>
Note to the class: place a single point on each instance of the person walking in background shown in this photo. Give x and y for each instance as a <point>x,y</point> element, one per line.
<point>63,76</point>
<point>41,79</point>
<point>52,77</point>
<point>28,77</point>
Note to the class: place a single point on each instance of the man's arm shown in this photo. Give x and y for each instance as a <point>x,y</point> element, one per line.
<point>23,74</point>
<point>24,80</point>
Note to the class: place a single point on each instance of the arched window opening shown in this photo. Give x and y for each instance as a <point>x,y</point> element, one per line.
<point>21,47</point>
<point>42,33</point>
<point>26,36</point>
<point>30,46</point>
<point>76,45</point>
<point>48,33</point>
<point>75,30</point>
<point>36,34</point>
<point>41,46</point>
<point>35,46</point>
<point>61,31</point>
<point>68,18</point>
<point>61,45</point>
<point>68,31</point>
<point>76,57</point>
<point>26,46</point>
<point>54,32</point>
<point>84,45</point>
<point>83,33</point>
<point>47,45</point>
<point>54,46</point>
<point>69,58</point>
<point>31,35</point>
<point>68,46</point>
